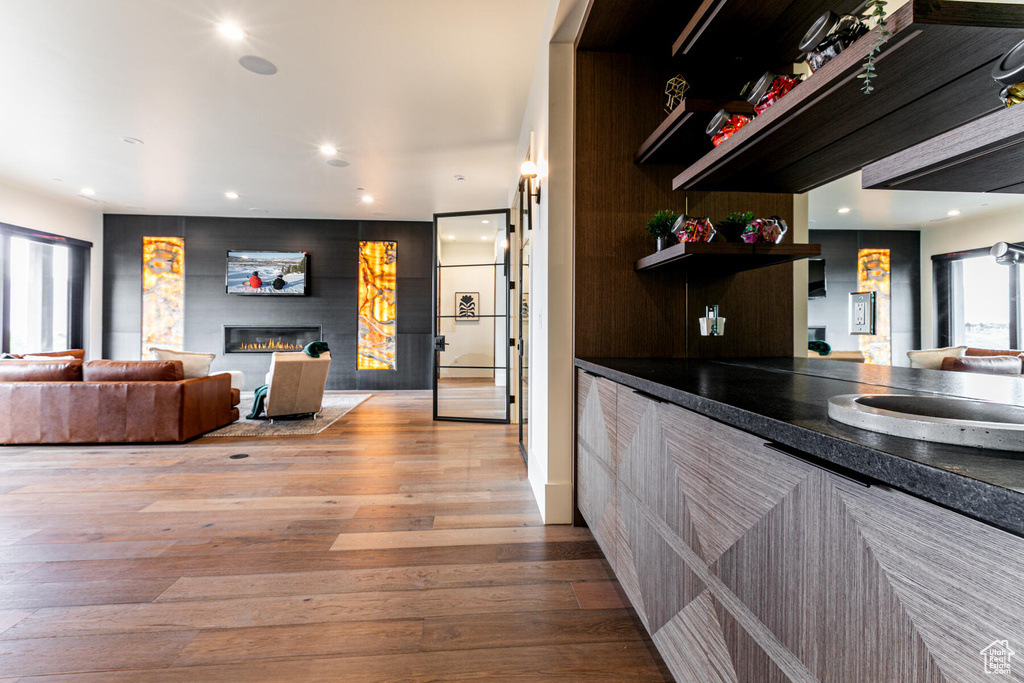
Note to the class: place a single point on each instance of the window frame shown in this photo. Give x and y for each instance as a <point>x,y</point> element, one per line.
<point>79,255</point>
<point>942,268</point>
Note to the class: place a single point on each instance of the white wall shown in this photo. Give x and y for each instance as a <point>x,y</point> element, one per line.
<point>1005,226</point>
<point>547,134</point>
<point>470,342</point>
<point>60,216</point>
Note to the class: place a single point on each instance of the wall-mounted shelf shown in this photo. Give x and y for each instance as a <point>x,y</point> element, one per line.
<point>730,257</point>
<point>933,75</point>
<point>680,139</point>
<point>982,156</point>
<point>768,30</point>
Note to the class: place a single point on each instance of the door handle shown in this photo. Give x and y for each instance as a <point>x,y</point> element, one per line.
<point>439,343</point>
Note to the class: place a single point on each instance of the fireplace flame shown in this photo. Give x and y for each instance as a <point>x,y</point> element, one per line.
<point>272,345</point>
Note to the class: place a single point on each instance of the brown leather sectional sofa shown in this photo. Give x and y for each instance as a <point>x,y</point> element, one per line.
<point>105,401</point>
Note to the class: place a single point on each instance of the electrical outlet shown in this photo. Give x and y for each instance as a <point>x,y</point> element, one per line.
<point>862,313</point>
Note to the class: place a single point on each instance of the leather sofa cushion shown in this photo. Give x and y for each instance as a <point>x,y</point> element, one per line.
<point>987,365</point>
<point>40,371</point>
<point>990,352</point>
<point>74,353</point>
<point>236,396</point>
<point>133,371</point>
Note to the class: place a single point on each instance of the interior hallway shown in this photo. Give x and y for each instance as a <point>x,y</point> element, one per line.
<point>387,548</point>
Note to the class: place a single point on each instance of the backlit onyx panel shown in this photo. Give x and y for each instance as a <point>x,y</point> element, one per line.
<point>163,293</point>
<point>378,311</point>
<point>873,268</point>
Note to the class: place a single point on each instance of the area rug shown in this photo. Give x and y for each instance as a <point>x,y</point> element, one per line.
<point>334,406</point>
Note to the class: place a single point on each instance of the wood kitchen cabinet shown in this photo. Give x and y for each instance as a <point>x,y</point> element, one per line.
<point>750,564</point>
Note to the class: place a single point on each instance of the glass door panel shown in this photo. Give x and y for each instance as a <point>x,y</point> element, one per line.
<point>471,372</point>
<point>523,315</point>
<point>39,296</point>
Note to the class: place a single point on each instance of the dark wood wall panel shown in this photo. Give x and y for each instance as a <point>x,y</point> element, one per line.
<point>619,313</point>
<point>333,247</point>
<point>757,304</point>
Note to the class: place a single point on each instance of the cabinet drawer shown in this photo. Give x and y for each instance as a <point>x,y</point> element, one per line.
<point>595,416</point>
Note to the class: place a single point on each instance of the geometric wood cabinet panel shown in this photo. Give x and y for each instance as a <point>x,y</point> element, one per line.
<point>747,565</point>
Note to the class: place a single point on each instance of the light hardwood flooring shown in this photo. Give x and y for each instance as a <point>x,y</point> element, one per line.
<point>387,548</point>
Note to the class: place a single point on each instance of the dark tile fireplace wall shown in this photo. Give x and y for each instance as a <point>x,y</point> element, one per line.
<point>333,246</point>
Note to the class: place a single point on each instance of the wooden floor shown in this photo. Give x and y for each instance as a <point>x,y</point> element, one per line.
<point>387,548</point>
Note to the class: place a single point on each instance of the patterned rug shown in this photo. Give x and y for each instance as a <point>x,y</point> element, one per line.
<point>335,405</point>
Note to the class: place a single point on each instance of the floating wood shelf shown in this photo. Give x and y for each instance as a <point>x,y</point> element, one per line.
<point>731,257</point>
<point>982,156</point>
<point>680,139</point>
<point>766,30</point>
<point>933,75</point>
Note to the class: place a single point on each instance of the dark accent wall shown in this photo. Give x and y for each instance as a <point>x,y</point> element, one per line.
<point>333,247</point>
<point>839,249</point>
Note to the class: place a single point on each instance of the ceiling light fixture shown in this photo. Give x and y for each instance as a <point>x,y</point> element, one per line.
<point>231,195</point>
<point>328,150</point>
<point>367,198</point>
<point>484,237</point>
<point>230,31</point>
<point>528,171</point>
<point>485,222</point>
<point>451,237</point>
<point>88,191</point>
<point>843,209</point>
<point>953,212</point>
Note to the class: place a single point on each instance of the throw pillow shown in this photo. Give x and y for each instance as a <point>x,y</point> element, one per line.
<point>196,364</point>
<point>931,359</point>
<point>38,357</point>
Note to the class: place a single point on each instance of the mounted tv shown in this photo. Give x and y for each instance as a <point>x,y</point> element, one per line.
<point>267,273</point>
<point>816,278</point>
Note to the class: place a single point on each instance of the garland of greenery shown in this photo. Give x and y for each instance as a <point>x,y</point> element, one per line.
<point>877,8</point>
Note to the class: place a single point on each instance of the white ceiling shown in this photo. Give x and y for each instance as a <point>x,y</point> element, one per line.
<point>411,93</point>
<point>898,210</point>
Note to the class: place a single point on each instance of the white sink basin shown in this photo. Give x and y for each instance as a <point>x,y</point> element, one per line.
<point>939,419</point>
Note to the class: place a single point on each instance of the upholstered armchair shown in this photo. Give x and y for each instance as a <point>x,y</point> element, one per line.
<point>296,384</point>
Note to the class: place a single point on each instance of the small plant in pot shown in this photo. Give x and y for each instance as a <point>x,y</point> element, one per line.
<point>660,227</point>
<point>732,226</point>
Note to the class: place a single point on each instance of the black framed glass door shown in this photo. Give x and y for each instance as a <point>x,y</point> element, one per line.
<point>521,234</point>
<point>471,303</point>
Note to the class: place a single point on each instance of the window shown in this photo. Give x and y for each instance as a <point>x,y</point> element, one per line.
<point>977,301</point>
<point>43,294</point>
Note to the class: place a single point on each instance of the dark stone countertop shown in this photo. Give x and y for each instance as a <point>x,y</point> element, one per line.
<point>785,400</point>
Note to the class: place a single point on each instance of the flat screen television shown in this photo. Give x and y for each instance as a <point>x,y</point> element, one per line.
<point>267,273</point>
<point>816,278</point>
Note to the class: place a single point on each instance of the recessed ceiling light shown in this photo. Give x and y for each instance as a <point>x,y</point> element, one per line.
<point>485,222</point>
<point>231,195</point>
<point>843,209</point>
<point>367,198</point>
<point>451,237</point>
<point>230,31</point>
<point>953,212</point>
<point>337,163</point>
<point>88,191</point>
<point>258,65</point>
<point>328,150</point>
<point>131,141</point>
<point>484,237</point>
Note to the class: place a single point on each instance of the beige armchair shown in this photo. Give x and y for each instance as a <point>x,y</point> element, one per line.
<point>296,384</point>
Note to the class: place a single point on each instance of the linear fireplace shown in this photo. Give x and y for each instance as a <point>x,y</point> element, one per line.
<point>269,338</point>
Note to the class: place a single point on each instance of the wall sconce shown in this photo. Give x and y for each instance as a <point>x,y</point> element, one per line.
<point>529,172</point>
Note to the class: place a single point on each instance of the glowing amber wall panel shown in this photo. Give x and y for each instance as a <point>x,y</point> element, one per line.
<point>163,293</point>
<point>378,312</point>
<point>873,275</point>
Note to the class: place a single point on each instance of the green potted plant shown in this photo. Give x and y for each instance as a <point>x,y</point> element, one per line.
<point>731,227</point>
<point>660,227</point>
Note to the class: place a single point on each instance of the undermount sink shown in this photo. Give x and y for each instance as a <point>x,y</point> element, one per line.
<point>939,419</point>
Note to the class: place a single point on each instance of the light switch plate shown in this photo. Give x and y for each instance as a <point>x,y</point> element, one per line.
<point>862,313</point>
